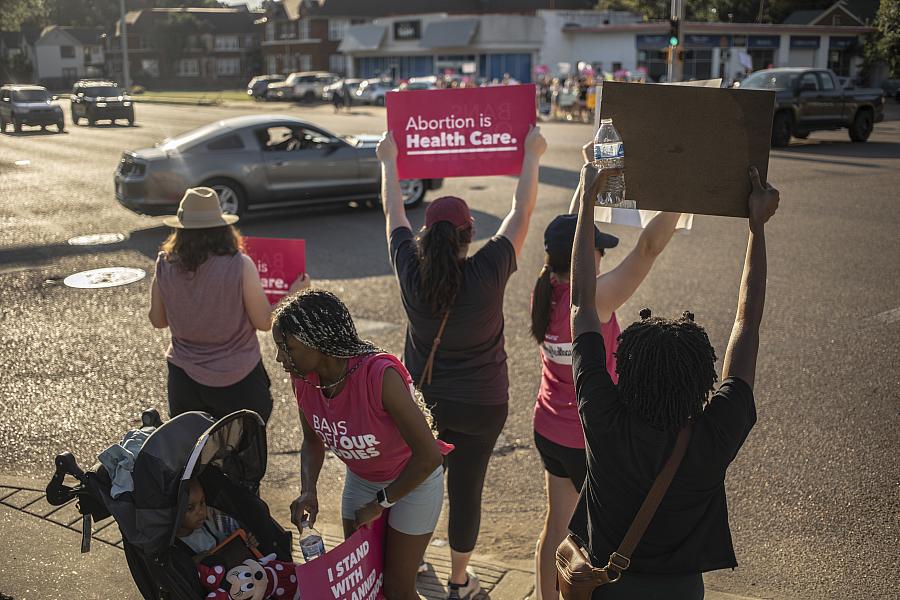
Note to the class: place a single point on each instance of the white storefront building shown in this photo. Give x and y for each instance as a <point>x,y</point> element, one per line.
<point>709,50</point>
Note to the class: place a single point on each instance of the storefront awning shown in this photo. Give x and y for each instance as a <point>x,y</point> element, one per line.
<point>449,34</point>
<point>362,37</point>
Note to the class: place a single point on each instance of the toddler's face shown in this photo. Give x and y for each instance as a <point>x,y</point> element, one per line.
<point>196,509</point>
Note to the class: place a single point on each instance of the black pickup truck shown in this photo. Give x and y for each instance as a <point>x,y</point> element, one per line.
<point>813,100</point>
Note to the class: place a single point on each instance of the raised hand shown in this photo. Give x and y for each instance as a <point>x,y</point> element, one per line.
<point>386,151</point>
<point>306,504</point>
<point>535,144</point>
<point>587,151</point>
<point>763,201</point>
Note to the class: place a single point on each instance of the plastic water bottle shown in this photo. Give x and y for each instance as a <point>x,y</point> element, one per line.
<point>609,153</point>
<point>311,543</point>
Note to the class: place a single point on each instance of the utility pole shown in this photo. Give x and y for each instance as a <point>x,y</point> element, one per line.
<point>126,71</point>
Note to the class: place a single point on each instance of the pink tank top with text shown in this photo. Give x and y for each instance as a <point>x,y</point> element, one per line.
<point>354,424</point>
<point>556,409</point>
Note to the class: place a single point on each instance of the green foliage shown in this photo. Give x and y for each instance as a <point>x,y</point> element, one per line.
<point>884,46</point>
<point>739,11</point>
<point>84,13</point>
<point>16,69</point>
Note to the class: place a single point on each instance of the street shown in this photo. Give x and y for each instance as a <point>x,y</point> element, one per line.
<point>812,495</point>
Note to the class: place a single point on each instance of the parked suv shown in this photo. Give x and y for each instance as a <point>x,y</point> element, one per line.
<point>257,87</point>
<point>99,101</point>
<point>308,86</point>
<point>29,105</point>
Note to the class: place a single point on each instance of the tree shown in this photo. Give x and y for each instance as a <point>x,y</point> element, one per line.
<point>884,46</point>
<point>16,12</point>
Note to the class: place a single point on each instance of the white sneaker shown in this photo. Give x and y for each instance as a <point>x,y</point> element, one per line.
<point>465,591</point>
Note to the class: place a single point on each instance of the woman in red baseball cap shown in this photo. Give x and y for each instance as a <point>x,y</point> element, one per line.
<point>454,340</point>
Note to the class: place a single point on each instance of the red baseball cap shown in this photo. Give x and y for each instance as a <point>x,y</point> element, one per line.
<point>451,209</point>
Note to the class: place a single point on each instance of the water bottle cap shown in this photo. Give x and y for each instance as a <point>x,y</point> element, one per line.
<point>606,120</point>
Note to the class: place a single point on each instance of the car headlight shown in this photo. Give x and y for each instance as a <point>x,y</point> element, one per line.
<point>126,103</point>
<point>101,105</point>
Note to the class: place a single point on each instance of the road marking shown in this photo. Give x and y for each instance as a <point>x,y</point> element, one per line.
<point>887,317</point>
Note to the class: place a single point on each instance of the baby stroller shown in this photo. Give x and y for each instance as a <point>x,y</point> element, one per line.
<point>228,457</point>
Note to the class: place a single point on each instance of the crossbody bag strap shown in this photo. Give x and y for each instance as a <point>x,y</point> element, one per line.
<point>425,379</point>
<point>621,558</point>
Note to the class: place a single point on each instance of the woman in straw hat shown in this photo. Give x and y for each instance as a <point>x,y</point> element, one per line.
<point>208,293</point>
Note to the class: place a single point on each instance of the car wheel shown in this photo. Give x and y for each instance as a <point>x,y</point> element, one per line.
<point>862,126</point>
<point>91,121</point>
<point>131,122</point>
<point>75,118</point>
<point>17,125</point>
<point>232,198</point>
<point>801,134</point>
<point>61,127</point>
<point>781,130</point>
<point>413,192</point>
<point>309,96</point>
<point>2,125</point>
<point>380,101</point>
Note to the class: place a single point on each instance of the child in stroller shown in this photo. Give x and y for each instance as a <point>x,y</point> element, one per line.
<point>226,457</point>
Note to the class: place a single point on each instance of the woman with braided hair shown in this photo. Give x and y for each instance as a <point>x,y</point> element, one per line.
<point>557,430</point>
<point>454,336</point>
<point>357,400</point>
<point>666,372</point>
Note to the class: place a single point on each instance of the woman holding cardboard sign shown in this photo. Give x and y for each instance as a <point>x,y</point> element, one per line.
<point>208,293</point>
<point>454,339</point>
<point>557,430</point>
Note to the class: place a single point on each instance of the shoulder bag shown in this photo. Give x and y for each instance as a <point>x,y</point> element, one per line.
<point>576,577</point>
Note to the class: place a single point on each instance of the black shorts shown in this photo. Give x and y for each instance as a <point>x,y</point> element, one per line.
<point>562,461</point>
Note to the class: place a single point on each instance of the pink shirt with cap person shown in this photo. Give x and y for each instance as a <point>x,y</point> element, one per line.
<point>208,293</point>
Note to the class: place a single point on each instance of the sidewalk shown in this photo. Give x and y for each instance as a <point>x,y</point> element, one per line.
<point>42,559</point>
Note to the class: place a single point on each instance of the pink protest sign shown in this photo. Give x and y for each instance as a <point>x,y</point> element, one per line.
<point>279,262</point>
<point>352,571</point>
<point>461,132</point>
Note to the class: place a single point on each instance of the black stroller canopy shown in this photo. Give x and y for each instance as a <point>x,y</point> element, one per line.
<point>178,450</point>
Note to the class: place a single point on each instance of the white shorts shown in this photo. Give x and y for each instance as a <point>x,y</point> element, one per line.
<point>414,514</point>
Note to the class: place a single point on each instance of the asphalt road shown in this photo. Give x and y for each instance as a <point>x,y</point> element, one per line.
<point>813,494</point>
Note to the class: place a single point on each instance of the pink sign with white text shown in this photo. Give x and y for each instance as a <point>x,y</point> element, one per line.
<point>279,262</point>
<point>352,571</point>
<point>462,132</point>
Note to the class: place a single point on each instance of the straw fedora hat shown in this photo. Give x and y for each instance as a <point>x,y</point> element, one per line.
<point>199,209</point>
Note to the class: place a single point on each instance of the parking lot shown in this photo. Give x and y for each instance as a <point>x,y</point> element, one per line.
<point>812,495</point>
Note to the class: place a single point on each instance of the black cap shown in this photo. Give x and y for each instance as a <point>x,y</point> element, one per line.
<point>560,235</point>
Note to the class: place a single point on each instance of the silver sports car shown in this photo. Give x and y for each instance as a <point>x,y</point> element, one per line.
<point>257,163</point>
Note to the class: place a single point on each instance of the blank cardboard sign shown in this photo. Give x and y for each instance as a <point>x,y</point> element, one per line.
<point>688,149</point>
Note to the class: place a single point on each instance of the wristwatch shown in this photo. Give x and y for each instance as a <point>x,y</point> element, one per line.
<point>382,499</point>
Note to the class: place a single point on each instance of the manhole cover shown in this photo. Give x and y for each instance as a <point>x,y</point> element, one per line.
<point>104,278</point>
<point>97,239</point>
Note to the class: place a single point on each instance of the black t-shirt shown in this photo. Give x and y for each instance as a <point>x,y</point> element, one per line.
<point>689,532</point>
<point>470,364</point>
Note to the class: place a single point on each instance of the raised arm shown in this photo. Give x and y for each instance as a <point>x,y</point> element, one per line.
<point>584,263</point>
<point>743,346</point>
<point>515,226</point>
<point>257,306</point>
<point>391,196</point>
<point>616,287</point>
<point>587,153</point>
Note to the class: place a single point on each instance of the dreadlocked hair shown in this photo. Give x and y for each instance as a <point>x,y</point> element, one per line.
<point>666,369</point>
<point>321,321</point>
<point>189,248</point>
<point>440,266</point>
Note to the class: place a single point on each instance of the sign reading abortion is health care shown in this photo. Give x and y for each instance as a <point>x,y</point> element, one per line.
<point>279,262</point>
<point>352,571</point>
<point>461,132</point>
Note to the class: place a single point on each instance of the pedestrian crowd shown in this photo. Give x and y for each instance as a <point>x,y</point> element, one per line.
<point>612,401</point>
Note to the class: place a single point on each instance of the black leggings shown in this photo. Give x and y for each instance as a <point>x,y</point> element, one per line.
<point>473,429</point>
<point>252,392</point>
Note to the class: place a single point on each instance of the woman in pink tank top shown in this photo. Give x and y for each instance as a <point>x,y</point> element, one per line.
<point>208,293</point>
<point>558,434</point>
<point>358,401</point>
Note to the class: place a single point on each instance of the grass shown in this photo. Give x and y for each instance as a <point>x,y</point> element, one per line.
<point>203,97</point>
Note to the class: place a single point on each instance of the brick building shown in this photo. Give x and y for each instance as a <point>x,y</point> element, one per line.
<point>188,47</point>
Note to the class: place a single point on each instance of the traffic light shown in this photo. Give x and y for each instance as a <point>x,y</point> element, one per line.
<point>674,32</point>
